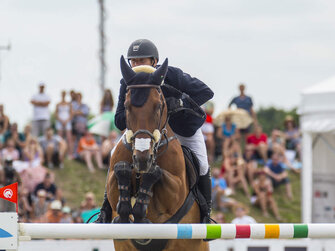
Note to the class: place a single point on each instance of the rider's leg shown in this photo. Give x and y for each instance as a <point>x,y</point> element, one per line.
<point>197,144</point>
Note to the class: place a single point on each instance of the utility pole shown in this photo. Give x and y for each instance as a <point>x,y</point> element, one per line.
<point>102,36</point>
<point>4,48</point>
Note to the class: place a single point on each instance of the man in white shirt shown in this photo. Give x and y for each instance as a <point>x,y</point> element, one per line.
<point>41,115</point>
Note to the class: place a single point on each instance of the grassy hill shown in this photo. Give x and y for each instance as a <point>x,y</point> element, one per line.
<point>75,180</point>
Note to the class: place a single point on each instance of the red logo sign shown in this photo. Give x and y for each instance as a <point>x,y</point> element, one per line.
<point>8,193</point>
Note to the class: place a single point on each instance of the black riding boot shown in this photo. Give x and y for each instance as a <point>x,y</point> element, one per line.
<point>205,187</point>
<point>105,215</point>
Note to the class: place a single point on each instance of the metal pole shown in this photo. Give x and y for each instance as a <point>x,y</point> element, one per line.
<point>102,36</point>
<point>4,48</point>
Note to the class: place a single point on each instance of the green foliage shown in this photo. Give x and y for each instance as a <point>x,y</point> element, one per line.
<point>271,117</point>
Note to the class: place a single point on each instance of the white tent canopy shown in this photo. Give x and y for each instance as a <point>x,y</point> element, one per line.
<point>317,121</point>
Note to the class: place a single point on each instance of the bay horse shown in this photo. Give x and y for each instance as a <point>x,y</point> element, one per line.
<point>155,175</point>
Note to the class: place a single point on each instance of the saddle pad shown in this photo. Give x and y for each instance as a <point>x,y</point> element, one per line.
<point>192,167</point>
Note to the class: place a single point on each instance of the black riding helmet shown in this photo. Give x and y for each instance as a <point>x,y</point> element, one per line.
<point>142,48</point>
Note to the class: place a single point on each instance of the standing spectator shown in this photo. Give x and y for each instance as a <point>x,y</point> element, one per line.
<point>41,115</point>
<point>54,214</point>
<point>241,216</point>
<point>54,148</point>
<point>259,140</point>
<point>107,146</point>
<point>40,206</point>
<point>49,186</point>
<point>4,123</point>
<point>64,121</point>
<point>264,195</point>
<point>80,112</point>
<point>87,148</point>
<point>208,131</point>
<point>275,169</point>
<point>107,102</point>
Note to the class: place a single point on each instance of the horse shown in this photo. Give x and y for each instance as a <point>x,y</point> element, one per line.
<point>155,175</point>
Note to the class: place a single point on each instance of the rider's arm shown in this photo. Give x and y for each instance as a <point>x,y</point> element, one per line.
<point>120,115</point>
<point>195,88</point>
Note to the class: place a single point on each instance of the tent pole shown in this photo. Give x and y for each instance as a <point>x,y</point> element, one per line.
<point>307,182</point>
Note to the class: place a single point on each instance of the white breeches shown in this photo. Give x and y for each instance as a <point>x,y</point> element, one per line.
<point>197,144</point>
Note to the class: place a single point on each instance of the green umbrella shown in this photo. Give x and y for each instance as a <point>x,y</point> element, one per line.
<point>102,124</point>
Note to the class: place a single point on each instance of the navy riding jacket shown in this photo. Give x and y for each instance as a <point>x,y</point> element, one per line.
<point>183,122</point>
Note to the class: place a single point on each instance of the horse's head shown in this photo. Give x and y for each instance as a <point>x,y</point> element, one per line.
<point>146,112</point>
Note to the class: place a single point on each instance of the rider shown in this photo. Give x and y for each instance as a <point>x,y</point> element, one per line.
<point>144,52</point>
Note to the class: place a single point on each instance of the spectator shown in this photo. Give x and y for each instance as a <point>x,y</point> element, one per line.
<point>76,217</point>
<point>220,192</point>
<point>66,217</point>
<point>88,203</point>
<point>241,215</point>
<point>40,206</point>
<point>87,149</point>
<point>264,195</point>
<point>8,175</point>
<point>49,186</point>
<point>229,134</point>
<point>64,120</point>
<point>274,168</point>
<point>18,138</point>
<point>25,205</point>
<point>219,218</point>
<point>208,131</point>
<point>250,162</point>
<point>259,140</point>
<point>54,214</point>
<point>292,134</point>
<point>80,112</point>
<point>33,153</point>
<point>41,114</point>
<point>107,102</point>
<point>4,124</point>
<point>10,152</point>
<point>54,148</point>
<point>107,147</point>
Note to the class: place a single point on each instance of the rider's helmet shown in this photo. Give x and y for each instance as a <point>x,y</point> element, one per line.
<point>142,48</point>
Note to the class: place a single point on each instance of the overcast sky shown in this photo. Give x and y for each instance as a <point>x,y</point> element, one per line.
<point>277,48</point>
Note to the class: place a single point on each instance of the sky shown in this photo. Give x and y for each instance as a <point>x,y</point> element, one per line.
<point>277,48</point>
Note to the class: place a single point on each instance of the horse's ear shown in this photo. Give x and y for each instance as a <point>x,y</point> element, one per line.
<point>160,73</point>
<point>127,72</point>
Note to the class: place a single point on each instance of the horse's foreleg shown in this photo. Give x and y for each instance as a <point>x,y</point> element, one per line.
<point>145,193</point>
<point>122,171</point>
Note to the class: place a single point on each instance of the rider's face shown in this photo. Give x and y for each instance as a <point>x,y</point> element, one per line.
<point>141,61</point>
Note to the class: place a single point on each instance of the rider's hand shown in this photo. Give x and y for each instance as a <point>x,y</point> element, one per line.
<point>173,103</point>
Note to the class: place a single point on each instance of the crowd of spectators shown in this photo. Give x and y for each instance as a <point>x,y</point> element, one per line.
<point>250,160</point>
<point>31,156</point>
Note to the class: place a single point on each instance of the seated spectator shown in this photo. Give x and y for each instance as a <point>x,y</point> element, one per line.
<point>25,205</point>
<point>76,217</point>
<point>274,168</point>
<point>33,153</point>
<point>48,186</point>
<point>108,145</point>
<point>8,175</point>
<point>64,121</point>
<point>87,149</point>
<point>208,131</point>
<point>10,152</point>
<point>4,124</point>
<point>40,206</point>
<point>220,192</point>
<point>259,140</point>
<point>54,213</point>
<point>241,215</point>
<point>292,134</point>
<point>264,195</point>
<point>54,148</point>
<point>66,216</point>
<point>219,218</point>
<point>250,162</point>
<point>89,202</point>
<point>18,138</point>
<point>229,135</point>
<point>107,102</point>
<point>235,168</point>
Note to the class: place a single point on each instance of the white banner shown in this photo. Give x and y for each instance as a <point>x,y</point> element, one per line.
<point>8,231</point>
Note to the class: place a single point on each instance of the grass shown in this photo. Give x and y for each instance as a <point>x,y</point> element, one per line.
<point>75,180</point>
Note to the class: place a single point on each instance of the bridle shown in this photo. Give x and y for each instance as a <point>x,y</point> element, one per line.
<point>160,132</point>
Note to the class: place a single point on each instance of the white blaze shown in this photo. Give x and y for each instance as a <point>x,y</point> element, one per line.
<point>142,144</point>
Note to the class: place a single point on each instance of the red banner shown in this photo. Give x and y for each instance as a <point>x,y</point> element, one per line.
<point>9,193</point>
